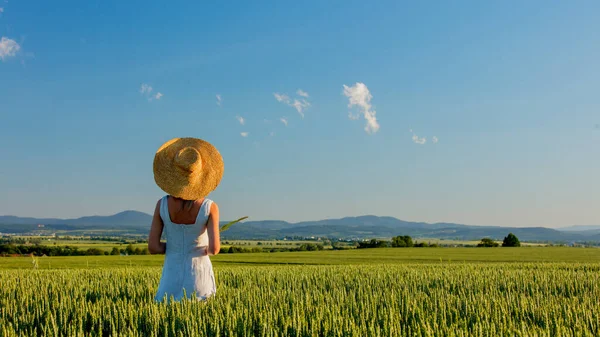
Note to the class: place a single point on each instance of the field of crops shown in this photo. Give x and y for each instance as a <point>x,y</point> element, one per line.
<point>347,257</point>
<point>543,299</point>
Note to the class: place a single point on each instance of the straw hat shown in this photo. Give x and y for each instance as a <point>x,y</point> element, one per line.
<point>188,168</point>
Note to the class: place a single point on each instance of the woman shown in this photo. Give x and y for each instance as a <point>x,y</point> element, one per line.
<point>187,169</point>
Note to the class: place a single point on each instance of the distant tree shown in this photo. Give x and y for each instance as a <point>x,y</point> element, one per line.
<point>487,242</point>
<point>511,240</point>
<point>402,241</point>
<point>374,243</point>
<point>114,251</point>
<point>130,250</point>
<point>94,251</point>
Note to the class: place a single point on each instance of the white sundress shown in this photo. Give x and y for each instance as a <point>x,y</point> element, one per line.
<point>184,267</point>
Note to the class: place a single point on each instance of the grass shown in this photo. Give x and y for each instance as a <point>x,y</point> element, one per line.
<point>342,257</point>
<point>403,299</point>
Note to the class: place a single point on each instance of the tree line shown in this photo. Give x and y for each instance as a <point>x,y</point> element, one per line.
<point>397,241</point>
<point>510,240</point>
<point>39,250</point>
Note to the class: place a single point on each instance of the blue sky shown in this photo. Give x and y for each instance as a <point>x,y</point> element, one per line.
<point>509,89</point>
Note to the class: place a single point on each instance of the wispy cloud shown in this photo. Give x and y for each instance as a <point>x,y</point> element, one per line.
<point>8,48</point>
<point>219,99</point>
<point>359,95</point>
<point>1,10</point>
<point>300,104</point>
<point>146,90</point>
<point>240,119</point>
<point>419,140</point>
<point>284,121</point>
<point>302,93</point>
<point>434,139</point>
<point>272,134</point>
<point>244,134</point>
<point>282,98</point>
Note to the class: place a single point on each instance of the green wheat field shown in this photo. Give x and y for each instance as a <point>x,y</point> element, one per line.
<point>526,291</point>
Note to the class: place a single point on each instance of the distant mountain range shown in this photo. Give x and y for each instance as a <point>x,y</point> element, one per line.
<point>368,226</point>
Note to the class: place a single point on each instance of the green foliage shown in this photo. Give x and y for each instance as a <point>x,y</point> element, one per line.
<point>374,243</point>
<point>487,242</point>
<point>56,250</point>
<point>511,240</point>
<point>402,241</point>
<point>464,299</point>
<point>227,225</point>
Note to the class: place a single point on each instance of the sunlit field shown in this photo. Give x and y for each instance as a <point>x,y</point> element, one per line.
<point>364,292</point>
<point>400,298</point>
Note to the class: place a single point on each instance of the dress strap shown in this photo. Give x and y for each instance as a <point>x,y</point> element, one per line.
<point>204,212</point>
<point>164,209</point>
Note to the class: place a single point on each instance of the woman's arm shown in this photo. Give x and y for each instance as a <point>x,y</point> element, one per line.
<point>214,238</point>
<point>154,244</point>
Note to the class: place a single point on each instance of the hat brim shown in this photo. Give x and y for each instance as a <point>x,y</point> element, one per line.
<point>180,183</point>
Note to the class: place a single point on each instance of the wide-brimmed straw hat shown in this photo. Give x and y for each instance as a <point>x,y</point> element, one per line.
<point>188,168</point>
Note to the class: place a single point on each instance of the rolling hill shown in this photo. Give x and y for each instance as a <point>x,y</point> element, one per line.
<point>361,227</point>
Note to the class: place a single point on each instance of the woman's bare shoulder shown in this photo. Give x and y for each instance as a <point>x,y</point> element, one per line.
<point>214,208</point>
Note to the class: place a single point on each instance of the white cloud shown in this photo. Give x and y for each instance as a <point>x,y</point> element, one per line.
<point>145,88</point>
<point>219,99</point>
<point>359,95</point>
<point>1,10</point>
<point>300,104</point>
<point>282,98</point>
<point>418,140</point>
<point>434,139</point>
<point>240,119</point>
<point>8,48</point>
<point>244,134</point>
<point>284,121</point>
<point>302,93</point>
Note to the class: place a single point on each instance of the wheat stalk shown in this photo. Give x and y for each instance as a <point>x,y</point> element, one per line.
<point>227,225</point>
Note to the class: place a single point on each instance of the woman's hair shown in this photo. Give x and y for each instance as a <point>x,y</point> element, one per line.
<point>187,204</point>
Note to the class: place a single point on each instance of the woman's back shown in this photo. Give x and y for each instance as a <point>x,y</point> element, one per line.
<point>187,267</point>
<point>186,169</point>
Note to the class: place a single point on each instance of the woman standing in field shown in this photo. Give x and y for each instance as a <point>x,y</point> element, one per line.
<point>187,169</point>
